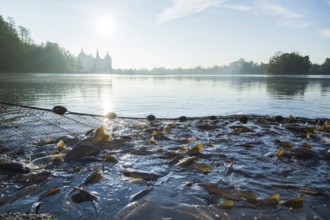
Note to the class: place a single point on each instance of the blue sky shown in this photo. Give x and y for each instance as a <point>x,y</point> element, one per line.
<point>178,33</point>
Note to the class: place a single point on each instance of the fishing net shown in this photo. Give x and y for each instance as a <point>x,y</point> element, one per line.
<point>170,168</point>
<point>22,124</point>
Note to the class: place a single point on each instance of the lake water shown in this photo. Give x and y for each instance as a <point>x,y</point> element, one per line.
<point>171,95</point>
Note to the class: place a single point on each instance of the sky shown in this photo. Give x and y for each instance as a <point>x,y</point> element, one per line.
<point>178,33</point>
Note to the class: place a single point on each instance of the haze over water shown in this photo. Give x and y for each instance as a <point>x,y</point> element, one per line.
<point>171,95</point>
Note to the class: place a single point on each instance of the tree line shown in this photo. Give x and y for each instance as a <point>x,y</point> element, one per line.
<point>279,64</point>
<point>19,53</point>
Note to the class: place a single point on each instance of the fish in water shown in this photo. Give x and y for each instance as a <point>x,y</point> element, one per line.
<point>214,189</point>
<point>129,211</point>
<point>141,175</point>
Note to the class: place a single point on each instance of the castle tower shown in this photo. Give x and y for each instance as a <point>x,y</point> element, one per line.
<point>97,64</point>
<point>97,54</point>
<point>107,63</point>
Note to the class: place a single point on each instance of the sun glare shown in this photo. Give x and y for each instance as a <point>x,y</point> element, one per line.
<point>105,26</point>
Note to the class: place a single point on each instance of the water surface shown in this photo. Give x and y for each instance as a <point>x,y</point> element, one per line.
<point>171,95</point>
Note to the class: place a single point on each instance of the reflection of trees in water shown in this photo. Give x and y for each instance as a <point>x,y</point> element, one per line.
<point>45,89</point>
<point>281,87</point>
<point>286,86</point>
<point>325,86</point>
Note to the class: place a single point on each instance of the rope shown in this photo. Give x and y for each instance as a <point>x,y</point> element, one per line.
<point>96,116</point>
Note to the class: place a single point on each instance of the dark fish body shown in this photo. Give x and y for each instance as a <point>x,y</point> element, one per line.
<point>50,192</point>
<point>294,203</point>
<point>82,151</point>
<point>140,175</point>
<point>176,159</point>
<point>93,177</point>
<point>270,201</point>
<point>12,168</point>
<point>310,191</point>
<point>186,161</point>
<point>26,191</point>
<point>131,209</point>
<point>211,188</point>
<point>219,214</point>
<point>195,211</point>
<point>248,195</point>
<point>140,195</point>
<point>82,196</point>
<point>35,178</point>
<point>303,153</point>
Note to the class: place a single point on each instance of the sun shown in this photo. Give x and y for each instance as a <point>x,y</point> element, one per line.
<point>105,26</point>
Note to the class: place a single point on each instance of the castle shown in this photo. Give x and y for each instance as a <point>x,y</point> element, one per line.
<point>95,65</point>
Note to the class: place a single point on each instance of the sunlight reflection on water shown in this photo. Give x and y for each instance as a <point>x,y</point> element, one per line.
<point>171,96</point>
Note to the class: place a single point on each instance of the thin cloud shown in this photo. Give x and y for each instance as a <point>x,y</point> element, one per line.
<point>278,10</point>
<point>295,24</point>
<point>239,7</point>
<point>290,18</point>
<point>325,33</point>
<point>264,7</point>
<point>183,8</point>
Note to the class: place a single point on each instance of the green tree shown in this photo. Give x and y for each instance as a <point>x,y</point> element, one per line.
<point>288,63</point>
<point>325,67</point>
<point>11,49</point>
<point>18,53</point>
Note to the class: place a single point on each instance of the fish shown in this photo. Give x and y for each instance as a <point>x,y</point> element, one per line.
<point>217,213</point>
<point>140,194</point>
<point>100,135</point>
<point>93,177</point>
<point>35,178</point>
<point>326,126</point>
<point>11,167</point>
<point>35,207</point>
<point>49,192</point>
<point>195,150</point>
<point>186,161</point>
<point>183,147</point>
<point>140,175</point>
<point>205,127</point>
<point>45,161</point>
<point>83,196</point>
<point>202,167</point>
<point>60,144</point>
<point>23,192</point>
<point>284,144</point>
<point>110,158</point>
<point>292,119</point>
<point>176,159</point>
<point>195,211</point>
<point>303,153</point>
<point>242,129</point>
<point>310,191</point>
<point>294,203</point>
<point>271,200</point>
<point>81,151</point>
<point>247,195</point>
<point>226,204</point>
<point>132,209</point>
<point>280,152</point>
<point>214,189</point>
<point>262,121</point>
